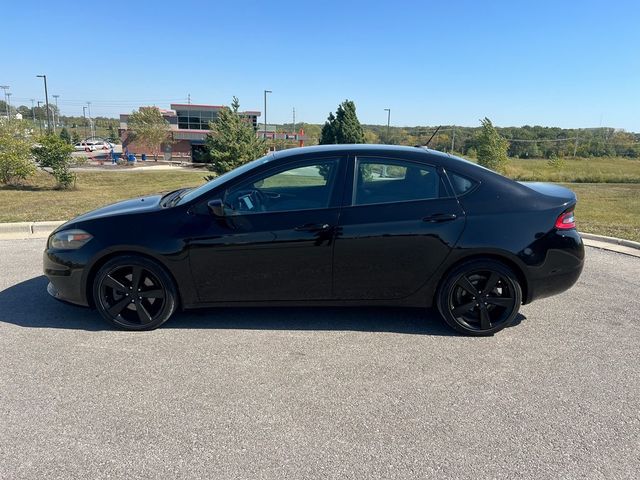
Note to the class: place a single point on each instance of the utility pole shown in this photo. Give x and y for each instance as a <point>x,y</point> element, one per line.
<point>33,111</point>
<point>54,113</point>
<point>575,146</point>
<point>6,104</point>
<point>188,98</point>
<point>294,120</point>
<point>39,119</point>
<point>9,104</point>
<point>453,139</point>
<point>91,126</point>
<point>388,110</point>
<point>265,112</point>
<point>46,99</point>
<point>84,114</point>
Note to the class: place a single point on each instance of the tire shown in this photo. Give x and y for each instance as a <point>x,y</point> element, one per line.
<point>479,297</point>
<point>134,293</point>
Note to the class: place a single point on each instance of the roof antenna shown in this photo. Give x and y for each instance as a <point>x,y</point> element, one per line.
<point>431,138</point>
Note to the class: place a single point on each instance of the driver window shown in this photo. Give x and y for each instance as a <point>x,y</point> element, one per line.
<point>302,187</point>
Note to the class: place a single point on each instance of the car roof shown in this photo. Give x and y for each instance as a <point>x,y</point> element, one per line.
<point>357,147</point>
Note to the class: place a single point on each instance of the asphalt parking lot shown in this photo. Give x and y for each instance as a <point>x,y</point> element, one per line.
<point>320,393</point>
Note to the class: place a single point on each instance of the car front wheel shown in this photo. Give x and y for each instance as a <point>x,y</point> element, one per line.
<point>479,297</point>
<point>134,293</point>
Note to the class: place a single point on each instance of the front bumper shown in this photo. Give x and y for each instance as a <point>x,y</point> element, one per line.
<point>65,278</point>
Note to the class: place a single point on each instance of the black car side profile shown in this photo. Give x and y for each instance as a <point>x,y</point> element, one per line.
<point>326,225</point>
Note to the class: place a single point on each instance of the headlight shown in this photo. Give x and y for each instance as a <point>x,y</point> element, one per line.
<point>69,239</point>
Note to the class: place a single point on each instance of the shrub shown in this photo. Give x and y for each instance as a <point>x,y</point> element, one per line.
<point>16,164</point>
<point>492,148</point>
<point>53,155</point>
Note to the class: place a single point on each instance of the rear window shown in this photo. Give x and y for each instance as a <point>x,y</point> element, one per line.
<point>461,185</point>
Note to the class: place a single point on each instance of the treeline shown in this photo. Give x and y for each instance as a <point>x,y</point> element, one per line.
<point>524,142</point>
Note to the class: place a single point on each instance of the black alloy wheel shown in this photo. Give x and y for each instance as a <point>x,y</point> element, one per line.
<point>480,297</point>
<point>134,293</point>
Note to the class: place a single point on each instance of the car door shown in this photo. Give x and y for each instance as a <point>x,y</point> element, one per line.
<point>275,240</point>
<point>398,224</point>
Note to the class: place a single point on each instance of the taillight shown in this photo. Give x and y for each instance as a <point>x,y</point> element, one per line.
<point>566,221</point>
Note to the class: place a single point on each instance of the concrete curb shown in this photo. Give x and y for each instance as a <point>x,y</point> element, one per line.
<point>20,230</point>
<point>612,240</point>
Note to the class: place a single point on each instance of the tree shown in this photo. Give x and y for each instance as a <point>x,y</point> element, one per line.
<point>148,127</point>
<point>15,152</point>
<point>232,141</point>
<point>328,132</point>
<point>112,135</point>
<point>54,154</point>
<point>64,135</point>
<point>492,147</point>
<point>75,138</point>
<point>344,127</point>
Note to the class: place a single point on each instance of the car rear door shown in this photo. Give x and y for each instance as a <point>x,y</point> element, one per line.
<point>398,224</point>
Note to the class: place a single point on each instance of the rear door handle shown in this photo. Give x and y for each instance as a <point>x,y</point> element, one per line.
<point>313,227</point>
<point>440,217</point>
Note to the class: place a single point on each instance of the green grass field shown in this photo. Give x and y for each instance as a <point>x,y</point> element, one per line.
<point>577,170</point>
<point>38,200</point>
<point>603,208</point>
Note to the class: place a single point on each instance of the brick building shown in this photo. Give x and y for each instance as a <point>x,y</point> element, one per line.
<point>189,124</point>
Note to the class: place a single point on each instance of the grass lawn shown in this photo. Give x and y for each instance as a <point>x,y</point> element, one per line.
<point>604,208</point>
<point>577,170</point>
<point>608,209</point>
<point>38,200</point>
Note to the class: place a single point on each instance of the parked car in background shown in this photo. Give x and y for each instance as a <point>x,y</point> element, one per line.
<point>326,225</point>
<point>101,145</point>
<point>92,145</point>
<point>84,147</point>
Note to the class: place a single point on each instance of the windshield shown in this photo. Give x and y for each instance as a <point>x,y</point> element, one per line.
<point>216,182</point>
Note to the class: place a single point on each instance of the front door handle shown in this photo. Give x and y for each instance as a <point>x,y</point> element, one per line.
<point>440,217</point>
<point>313,227</point>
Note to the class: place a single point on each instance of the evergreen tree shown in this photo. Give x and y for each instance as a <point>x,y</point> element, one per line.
<point>344,127</point>
<point>328,132</point>
<point>75,138</point>
<point>349,128</point>
<point>492,147</point>
<point>64,135</point>
<point>232,141</point>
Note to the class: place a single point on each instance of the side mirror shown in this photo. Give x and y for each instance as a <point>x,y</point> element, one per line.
<point>216,207</point>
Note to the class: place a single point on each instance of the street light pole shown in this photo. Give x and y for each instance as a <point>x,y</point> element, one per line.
<point>265,112</point>
<point>388,110</point>
<point>46,99</point>
<point>9,104</point>
<point>33,111</point>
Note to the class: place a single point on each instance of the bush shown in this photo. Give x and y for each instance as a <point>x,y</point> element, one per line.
<point>16,164</point>
<point>492,148</point>
<point>54,155</point>
<point>555,162</point>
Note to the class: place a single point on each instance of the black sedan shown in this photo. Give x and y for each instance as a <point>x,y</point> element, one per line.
<point>329,225</point>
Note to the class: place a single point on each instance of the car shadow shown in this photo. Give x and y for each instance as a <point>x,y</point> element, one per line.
<point>27,304</point>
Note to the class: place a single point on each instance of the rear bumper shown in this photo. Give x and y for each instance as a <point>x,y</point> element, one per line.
<point>561,268</point>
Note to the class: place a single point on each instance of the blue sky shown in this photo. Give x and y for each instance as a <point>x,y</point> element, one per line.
<point>555,63</point>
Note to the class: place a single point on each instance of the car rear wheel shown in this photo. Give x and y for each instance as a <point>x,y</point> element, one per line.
<point>134,293</point>
<point>479,297</point>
